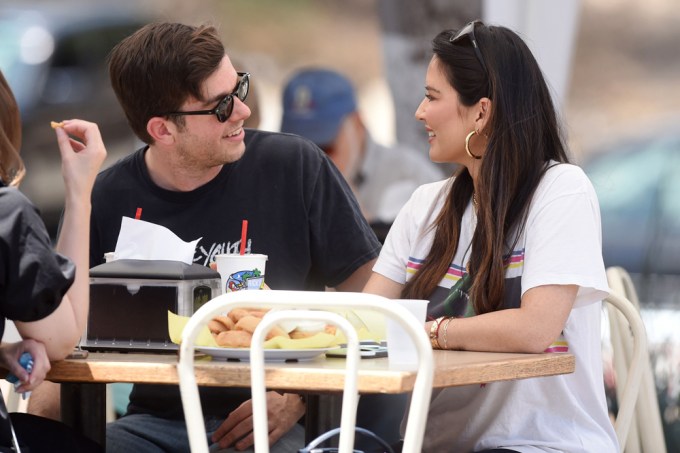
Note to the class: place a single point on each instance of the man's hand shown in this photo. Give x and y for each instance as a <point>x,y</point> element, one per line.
<point>283,412</point>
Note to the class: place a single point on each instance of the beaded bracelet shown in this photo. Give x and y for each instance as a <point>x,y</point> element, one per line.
<point>446,329</point>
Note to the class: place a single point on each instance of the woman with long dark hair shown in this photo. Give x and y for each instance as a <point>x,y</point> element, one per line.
<point>508,251</point>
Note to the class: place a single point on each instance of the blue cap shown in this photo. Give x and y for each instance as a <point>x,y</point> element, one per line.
<point>315,101</point>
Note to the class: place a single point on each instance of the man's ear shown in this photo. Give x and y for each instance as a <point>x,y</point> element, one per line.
<point>161,130</point>
<point>484,106</point>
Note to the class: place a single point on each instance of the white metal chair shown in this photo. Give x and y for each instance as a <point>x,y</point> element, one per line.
<point>629,395</point>
<point>350,396</point>
<point>646,431</point>
<point>417,417</point>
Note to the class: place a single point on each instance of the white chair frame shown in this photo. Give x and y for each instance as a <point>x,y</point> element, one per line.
<point>646,430</point>
<point>350,396</point>
<point>417,417</point>
<point>639,360</point>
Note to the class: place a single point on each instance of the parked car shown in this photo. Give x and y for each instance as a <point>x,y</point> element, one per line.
<point>637,183</point>
<point>53,55</point>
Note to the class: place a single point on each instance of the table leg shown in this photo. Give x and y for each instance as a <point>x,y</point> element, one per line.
<point>323,414</point>
<point>83,407</point>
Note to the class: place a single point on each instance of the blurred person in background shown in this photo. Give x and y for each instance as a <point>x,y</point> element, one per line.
<point>199,174</point>
<point>320,104</point>
<point>44,290</point>
<point>508,252</point>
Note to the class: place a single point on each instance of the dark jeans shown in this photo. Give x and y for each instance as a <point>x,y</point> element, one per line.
<point>381,414</point>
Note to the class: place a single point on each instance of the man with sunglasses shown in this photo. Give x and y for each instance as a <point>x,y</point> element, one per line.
<point>200,174</point>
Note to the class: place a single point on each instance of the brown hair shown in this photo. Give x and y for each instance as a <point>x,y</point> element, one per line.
<point>158,67</point>
<point>523,136</point>
<point>12,169</point>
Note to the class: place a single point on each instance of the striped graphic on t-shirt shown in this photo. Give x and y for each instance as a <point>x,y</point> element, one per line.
<point>514,262</point>
<point>453,274</point>
<point>559,345</point>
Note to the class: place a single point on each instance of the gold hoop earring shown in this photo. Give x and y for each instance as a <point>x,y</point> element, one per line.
<point>467,145</point>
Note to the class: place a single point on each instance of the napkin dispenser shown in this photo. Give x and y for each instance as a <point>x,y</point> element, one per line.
<point>130,300</point>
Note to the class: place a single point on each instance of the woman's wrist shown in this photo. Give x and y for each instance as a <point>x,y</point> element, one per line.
<point>434,332</point>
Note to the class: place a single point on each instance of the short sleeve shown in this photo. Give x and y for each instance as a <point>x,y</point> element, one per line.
<point>33,277</point>
<point>410,237</point>
<point>563,237</point>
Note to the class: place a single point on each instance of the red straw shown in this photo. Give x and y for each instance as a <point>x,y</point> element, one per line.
<point>138,214</point>
<point>244,234</point>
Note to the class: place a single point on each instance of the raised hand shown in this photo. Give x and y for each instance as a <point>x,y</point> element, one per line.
<point>82,154</point>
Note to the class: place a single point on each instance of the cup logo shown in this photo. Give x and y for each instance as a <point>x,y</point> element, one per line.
<point>246,279</point>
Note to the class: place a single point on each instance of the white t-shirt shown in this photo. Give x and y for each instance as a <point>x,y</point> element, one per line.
<point>561,244</point>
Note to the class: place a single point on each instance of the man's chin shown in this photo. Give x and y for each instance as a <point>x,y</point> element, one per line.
<point>234,154</point>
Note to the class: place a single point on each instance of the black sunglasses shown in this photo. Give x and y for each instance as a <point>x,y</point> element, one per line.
<point>469,32</point>
<point>226,105</point>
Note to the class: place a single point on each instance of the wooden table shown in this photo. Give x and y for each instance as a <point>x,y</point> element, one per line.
<point>83,389</point>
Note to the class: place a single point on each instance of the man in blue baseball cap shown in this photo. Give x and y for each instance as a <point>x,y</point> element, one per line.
<point>315,103</point>
<point>321,105</point>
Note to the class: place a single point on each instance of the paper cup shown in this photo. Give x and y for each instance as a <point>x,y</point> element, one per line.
<point>241,271</point>
<point>401,350</point>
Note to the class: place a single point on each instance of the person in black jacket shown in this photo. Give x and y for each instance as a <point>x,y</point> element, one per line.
<point>44,290</point>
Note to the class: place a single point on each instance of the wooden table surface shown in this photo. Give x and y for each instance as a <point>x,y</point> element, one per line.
<point>452,368</point>
<point>83,393</point>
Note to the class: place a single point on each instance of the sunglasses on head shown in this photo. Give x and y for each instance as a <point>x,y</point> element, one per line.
<point>469,32</point>
<point>226,105</point>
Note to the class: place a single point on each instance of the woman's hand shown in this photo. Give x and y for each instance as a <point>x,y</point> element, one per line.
<point>82,155</point>
<point>9,359</point>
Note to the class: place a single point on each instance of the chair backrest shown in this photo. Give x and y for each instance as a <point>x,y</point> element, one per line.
<point>631,389</point>
<point>646,430</point>
<point>350,396</point>
<point>417,417</point>
<point>619,280</point>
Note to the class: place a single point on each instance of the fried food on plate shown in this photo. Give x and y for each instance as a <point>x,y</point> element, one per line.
<point>235,330</point>
<point>234,339</point>
<point>220,323</point>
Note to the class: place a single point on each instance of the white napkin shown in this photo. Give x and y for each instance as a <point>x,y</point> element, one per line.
<point>140,240</point>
